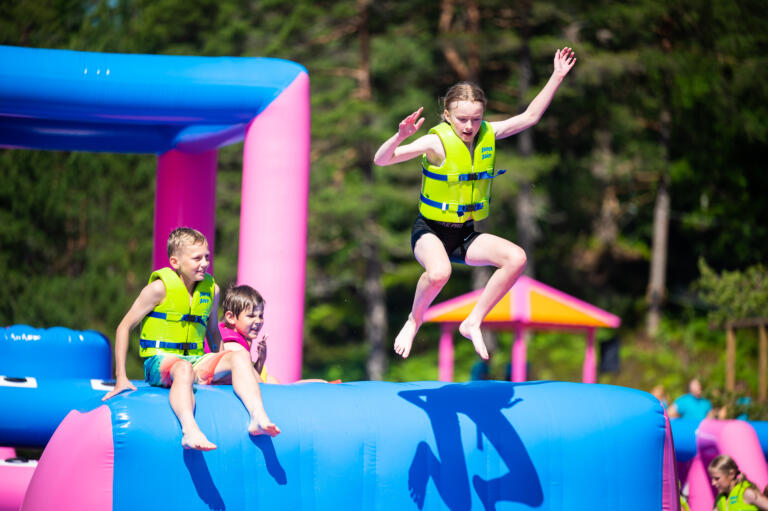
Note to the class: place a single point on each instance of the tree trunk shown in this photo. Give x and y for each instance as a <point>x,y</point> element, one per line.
<point>661,209</point>
<point>527,230</point>
<point>468,68</point>
<point>375,329</point>
<point>375,314</point>
<point>606,226</point>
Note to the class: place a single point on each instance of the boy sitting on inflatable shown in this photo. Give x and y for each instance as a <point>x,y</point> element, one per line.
<point>173,309</point>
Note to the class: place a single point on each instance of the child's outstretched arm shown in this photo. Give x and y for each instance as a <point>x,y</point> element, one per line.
<point>392,152</point>
<point>150,296</point>
<point>564,61</point>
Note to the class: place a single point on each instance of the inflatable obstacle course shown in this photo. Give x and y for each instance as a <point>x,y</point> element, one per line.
<point>369,445</point>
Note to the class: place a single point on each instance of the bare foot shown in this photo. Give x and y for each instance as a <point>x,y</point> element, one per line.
<point>404,339</point>
<point>196,440</point>
<point>473,333</point>
<point>261,425</point>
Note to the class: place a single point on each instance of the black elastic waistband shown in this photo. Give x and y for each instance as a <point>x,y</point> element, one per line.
<point>448,225</point>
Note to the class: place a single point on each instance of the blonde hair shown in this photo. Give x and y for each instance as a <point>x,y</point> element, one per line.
<point>182,237</point>
<point>240,298</point>
<point>462,91</point>
<point>724,464</point>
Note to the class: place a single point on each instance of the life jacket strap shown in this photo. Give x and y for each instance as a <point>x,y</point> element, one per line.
<point>459,209</point>
<point>455,178</point>
<point>184,346</point>
<point>175,316</point>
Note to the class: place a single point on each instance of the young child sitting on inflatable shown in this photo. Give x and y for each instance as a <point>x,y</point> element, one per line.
<point>243,309</point>
<point>173,309</point>
<point>734,490</point>
<point>243,316</point>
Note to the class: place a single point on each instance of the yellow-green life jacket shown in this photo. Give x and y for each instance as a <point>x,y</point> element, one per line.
<point>175,326</point>
<point>459,190</point>
<point>735,499</point>
<point>684,504</point>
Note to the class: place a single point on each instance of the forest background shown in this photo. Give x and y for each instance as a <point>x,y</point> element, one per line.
<point>650,159</point>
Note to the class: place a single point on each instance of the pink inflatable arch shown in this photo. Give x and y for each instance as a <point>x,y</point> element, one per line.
<point>183,109</point>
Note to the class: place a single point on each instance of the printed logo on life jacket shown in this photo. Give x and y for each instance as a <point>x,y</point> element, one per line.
<point>205,297</point>
<point>487,152</point>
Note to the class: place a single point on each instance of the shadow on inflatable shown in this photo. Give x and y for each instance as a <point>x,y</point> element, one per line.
<point>448,469</point>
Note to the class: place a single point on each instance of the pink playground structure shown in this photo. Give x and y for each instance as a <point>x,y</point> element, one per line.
<point>183,109</point>
<point>528,305</point>
<point>275,178</point>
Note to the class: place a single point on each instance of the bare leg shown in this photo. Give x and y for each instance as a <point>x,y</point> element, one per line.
<point>430,253</point>
<point>509,259</point>
<point>245,383</point>
<point>183,404</point>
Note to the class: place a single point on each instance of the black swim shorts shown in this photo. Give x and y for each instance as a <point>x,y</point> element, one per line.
<point>456,238</point>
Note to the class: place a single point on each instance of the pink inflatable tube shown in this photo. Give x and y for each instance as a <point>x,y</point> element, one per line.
<point>735,438</point>
<point>14,479</point>
<point>15,474</point>
<point>273,221</point>
<point>88,484</point>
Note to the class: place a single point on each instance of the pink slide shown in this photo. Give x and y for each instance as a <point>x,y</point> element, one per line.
<point>735,438</point>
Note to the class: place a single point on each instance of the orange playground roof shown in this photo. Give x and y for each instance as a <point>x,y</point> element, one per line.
<point>530,303</point>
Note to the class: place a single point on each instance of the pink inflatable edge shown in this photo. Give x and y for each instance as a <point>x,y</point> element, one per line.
<point>670,499</point>
<point>70,467</point>
<point>14,481</point>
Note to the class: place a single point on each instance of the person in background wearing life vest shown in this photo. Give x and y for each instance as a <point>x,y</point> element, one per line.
<point>173,309</point>
<point>458,157</point>
<point>734,491</point>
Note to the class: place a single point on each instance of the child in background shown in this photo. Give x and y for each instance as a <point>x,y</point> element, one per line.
<point>174,308</point>
<point>734,490</point>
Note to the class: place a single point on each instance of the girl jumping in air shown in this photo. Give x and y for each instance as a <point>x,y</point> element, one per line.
<point>458,157</point>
